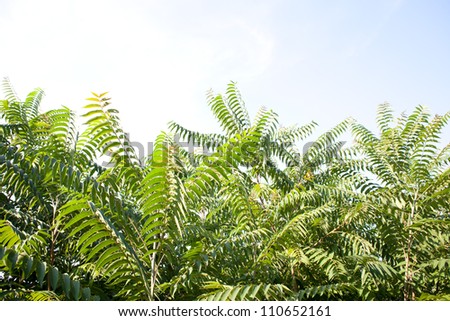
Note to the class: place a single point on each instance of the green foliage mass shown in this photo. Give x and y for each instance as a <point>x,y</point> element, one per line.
<point>254,219</point>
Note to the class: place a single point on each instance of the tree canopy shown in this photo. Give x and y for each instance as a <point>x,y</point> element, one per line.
<point>255,218</point>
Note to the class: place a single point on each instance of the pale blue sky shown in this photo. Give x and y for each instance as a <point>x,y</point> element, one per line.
<point>307,60</point>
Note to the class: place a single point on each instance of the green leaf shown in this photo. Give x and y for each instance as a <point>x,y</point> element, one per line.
<point>28,267</point>
<point>54,277</point>
<point>40,271</point>
<point>11,259</point>
<point>66,284</point>
<point>86,294</point>
<point>76,289</point>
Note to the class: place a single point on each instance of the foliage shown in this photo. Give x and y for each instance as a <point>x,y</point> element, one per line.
<point>254,219</point>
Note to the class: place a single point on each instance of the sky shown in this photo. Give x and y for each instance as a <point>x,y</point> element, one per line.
<point>307,60</point>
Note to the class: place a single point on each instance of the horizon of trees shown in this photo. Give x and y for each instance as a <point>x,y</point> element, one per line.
<point>255,219</point>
